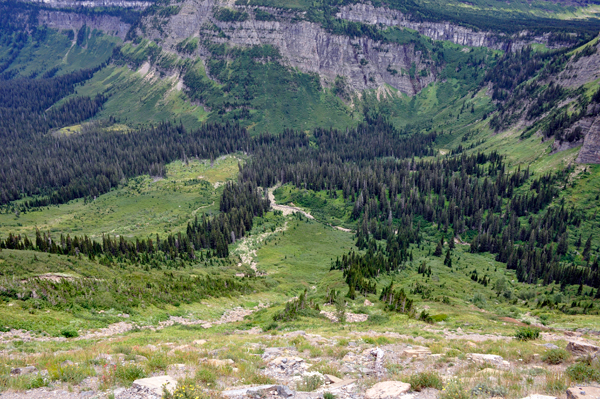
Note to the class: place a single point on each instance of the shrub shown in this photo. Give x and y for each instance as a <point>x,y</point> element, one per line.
<point>328,395</point>
<point>426,379</point>
<point>584,371</point>
<point>527,333</point>
<point>439,317</point>
<point>426,317</point>
<point>127,373</point>
<point>377,319</point>
<point>186,392</point>
<point>69,332</point>
<point>555,356</point>
<point>158,361</point>
<point>454,390</point>
<point>556,383</point>
<point>206,375</point>
<point>71,373</point>
<point>487,391</point>
<point>309,383</point>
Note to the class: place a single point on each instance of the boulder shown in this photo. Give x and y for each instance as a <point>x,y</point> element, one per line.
<point>417,352</point>
<point>331,379</point>
<point>156,384</point>
<point>537,396</point>
<point>490,359</point>
<point>340,384</point>
<point>579,348</point>
<point>550,346</point>
<point>581,392</point>
<point>387,389</point>
<point>260,390</point>
<point>23,370</point>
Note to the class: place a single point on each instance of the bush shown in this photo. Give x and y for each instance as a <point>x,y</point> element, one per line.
<point>69,332</point>
<point>206,375</point>
<point>527,333</point>
<point>309,383</point>
<point>556,383</point>
<point>454,390</point>
<point>487,391</point>
<point>555,356</point>
<point>584,371</point>
<point>328,395</point>
<point>426,379</point>
<point>71,373</point>
<point>186,392</point>
<point>439,317</point>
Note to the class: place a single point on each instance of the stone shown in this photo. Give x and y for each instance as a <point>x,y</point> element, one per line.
<point>417,352</point>
<point>199,342</point>
<point>140,358</point>
<point>550,346</point>
<point>341,384</point>
<point>23,370</point>
<point>378,353</point>
<point>220,362</point>
<point>583,392</point>
<point>537,396</point>
<point>282,391</point>
<point>331,379</point>
<point>387,390</point>
<point>579,348</point>
<point>67,363</point>
<point>366,371</point>
<point>486,358</point>
<point>156,384</point>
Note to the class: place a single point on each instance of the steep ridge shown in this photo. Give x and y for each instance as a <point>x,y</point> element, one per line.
<point>367,13</point>
<point>71,20</point>
<point>304,45</point>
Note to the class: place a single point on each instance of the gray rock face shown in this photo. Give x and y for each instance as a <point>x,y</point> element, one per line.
<point>70,20</point>
<point>582,348</point>
<point>368,14</point>
<point>307,46</point>
<point>92,3</point>
<point>590,151</point>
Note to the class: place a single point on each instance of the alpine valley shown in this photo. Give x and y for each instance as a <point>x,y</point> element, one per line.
<point>294,199</point>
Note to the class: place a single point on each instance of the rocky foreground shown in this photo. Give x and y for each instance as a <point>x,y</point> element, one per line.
<point>252,364</point>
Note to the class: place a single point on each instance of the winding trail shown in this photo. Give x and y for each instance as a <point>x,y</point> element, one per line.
<point>285,209</point>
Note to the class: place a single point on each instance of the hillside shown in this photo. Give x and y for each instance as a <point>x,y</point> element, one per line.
<point>324,199</point>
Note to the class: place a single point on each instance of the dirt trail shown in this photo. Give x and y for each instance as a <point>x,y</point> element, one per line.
<point>285,209</point>
<point>288,210</point>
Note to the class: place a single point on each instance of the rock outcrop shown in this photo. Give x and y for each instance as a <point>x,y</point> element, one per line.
<point>71,20</point>
<point>590,151</point>
<point>582,348</point>
<point>582,392</point>
<point>387,390</point>
<point>92,3</point>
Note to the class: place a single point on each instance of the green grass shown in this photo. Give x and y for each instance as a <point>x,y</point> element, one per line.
<point>142,207</point>
<point>57,51</point>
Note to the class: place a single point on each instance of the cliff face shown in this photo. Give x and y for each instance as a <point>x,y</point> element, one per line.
<point>366,64</point>
<point>305,45</point>
<point>91,3</point>
<point>368,14</point>
<point>71,20</point>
